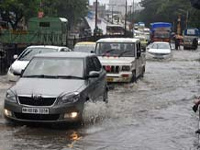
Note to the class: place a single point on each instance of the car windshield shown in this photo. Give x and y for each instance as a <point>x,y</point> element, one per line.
<point>84,48</point>
<point>160,46</point>
<point>54,68</point>
<point>28,54</point>
<point>115,49</point>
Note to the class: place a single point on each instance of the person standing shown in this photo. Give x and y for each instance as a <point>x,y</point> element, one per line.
<point>177,43</point>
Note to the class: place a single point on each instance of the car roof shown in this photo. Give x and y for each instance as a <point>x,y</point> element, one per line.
<point>159,42</point>
<point>124,40</point>
<point>65,55</point>
<point>86,43</point>
<point>47,46</point>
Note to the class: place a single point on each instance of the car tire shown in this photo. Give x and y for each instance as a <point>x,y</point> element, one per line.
<point>105,95</point>
<point>133,79</point>
<point>143,71</point>
<point>10,122</point>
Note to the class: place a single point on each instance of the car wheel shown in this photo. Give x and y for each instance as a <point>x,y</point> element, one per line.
<point>143,71</point>
<point>10,122</point>
<point>105,95</point>
<point>133,76</point>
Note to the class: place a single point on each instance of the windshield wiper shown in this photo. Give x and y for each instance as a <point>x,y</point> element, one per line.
<point>122,53</point>
<point>53,76</point>
<point>39,76</point>
<point>68,77</point>
<point>108,51</point>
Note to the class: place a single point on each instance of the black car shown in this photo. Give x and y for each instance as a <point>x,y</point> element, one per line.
<point>54,88</point>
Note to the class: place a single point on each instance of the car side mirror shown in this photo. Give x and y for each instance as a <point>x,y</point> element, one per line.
<point>93,74</point>
<point>18,72</point>
<point>15,57</point>
<point>138,53</point>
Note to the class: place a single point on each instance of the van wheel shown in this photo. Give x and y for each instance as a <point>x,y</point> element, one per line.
<point>133,77</point>
<point>143,71</point>
<point>105,95</point>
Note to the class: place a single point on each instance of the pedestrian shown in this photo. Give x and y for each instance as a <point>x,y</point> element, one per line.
<point>195,43</point>
<point>176,42</point>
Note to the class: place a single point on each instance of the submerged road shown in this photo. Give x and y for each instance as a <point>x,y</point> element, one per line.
<point>153,114</point>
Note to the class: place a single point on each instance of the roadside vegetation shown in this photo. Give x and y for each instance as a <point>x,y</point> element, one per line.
<point>168,11</point>
<point>14,11</point>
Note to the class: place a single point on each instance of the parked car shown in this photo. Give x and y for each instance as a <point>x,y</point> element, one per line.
<point>21,62</point>
<point>54,88</point>
<point>122,58</point>
<point>87,47</point>
<point>159,50</point>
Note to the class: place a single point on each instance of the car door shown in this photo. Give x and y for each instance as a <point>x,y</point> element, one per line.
<point>93,82</point>
<point>101,82</point>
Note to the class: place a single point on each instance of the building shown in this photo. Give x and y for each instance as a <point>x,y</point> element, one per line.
<point>101,9</point>
<point>117,5</point>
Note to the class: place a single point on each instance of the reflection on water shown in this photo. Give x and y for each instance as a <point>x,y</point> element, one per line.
<point>73,137</point>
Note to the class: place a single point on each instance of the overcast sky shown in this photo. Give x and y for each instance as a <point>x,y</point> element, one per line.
<point>107,1</point>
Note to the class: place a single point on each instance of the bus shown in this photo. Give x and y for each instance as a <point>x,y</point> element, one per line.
<point>115,29</point>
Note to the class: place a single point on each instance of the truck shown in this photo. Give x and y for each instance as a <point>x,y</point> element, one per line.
<point>161,31</point>
<point>46,30</point>
<point>190,38</point>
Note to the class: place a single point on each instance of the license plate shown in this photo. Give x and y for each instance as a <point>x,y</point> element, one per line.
<point>109,79</point>
<point>27,110</point>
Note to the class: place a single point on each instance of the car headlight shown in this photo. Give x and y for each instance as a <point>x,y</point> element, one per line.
<point>126,68</point>
<point>68,98</point>
<point>11,96</point>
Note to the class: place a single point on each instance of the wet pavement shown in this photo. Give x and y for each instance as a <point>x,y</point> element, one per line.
<point>153,114</point>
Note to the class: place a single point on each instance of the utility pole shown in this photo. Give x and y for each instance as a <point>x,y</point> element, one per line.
<point>186,22</point>
<point>179,25</point>
<point>112,14</point>
<point>112,11</point>
<point>125,16</point>
<point>96,10</point>
<point>133,21</point>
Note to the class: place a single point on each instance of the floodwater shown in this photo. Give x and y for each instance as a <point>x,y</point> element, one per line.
<point>153,114</point>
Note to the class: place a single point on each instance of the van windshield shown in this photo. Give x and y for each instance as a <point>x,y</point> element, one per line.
<point>115,49</point>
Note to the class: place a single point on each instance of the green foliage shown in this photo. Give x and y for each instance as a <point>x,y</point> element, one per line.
<point>168,11</point>
<point>73,10</point>
<point>13,11</point>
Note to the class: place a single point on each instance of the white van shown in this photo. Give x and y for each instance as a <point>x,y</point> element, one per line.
<point>122,58</point>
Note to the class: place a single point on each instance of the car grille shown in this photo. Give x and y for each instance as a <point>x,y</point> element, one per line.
<point>160,54</point>
<point>41,101</point>
<point>112,69</point>
<point>37,116</point>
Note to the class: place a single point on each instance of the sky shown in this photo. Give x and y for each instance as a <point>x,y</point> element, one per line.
<point>106,1</point>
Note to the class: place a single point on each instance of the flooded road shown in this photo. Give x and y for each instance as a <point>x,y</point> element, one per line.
<point>153,114</point>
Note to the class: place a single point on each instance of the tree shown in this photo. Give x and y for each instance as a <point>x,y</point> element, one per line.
<point>168,11</point>
<point>13,11</point>
<point>73,10</point>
